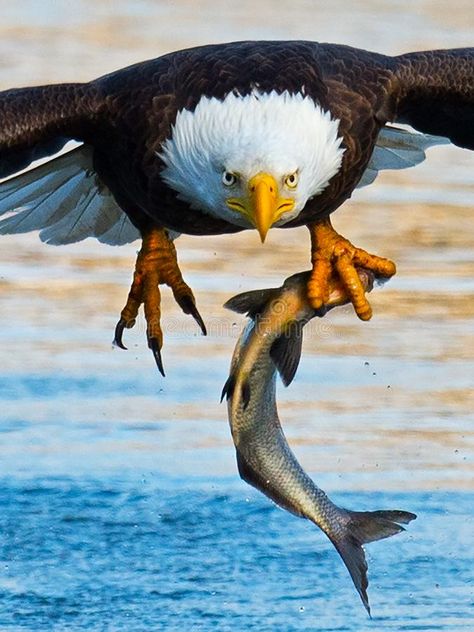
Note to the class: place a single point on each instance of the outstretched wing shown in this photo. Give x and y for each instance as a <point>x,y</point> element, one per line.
<point>397,148</point>
<point>64,200</point>
<point>434,93</point>
<point>37,122</point>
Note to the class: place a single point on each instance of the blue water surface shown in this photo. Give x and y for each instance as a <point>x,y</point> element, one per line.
<point>163,553</point>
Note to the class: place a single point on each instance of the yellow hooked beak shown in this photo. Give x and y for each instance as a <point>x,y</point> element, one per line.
<point>263,205</point>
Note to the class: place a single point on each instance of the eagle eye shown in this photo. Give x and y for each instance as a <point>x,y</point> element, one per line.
<point>291,180</point>
<point>229,178</point>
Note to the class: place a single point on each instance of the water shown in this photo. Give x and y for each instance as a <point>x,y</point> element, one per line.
<point>121,507</point>
<point>170,554</point>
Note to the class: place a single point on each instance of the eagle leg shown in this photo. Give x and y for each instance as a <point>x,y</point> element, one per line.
<point>156,264</point>
<point>333,254</point>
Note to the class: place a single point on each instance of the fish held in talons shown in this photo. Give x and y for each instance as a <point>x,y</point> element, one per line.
<point>332,254</point>
<point>271,342</point>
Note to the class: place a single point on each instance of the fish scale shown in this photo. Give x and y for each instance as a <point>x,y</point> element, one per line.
<point>267,451</point>
<point>271,343</point>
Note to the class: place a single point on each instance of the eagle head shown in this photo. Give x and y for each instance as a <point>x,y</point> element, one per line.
<point>252,160</point>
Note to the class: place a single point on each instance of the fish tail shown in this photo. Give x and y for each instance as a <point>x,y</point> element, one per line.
<point>364,527</point>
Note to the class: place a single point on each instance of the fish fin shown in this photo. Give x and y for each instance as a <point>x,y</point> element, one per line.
<point>377,525</point>
<point>245,394</point>
<point>353,556</point>
<point>251,303</point>
<point>228,388</point>
<point>286,352</point>
<point>364,527</point>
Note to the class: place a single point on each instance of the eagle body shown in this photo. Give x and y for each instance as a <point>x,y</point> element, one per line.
<point>179,81</point>
<point>221,138</point>
<point>125,119</point>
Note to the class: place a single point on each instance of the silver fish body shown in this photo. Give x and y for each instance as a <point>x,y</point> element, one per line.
<point>271,342</point>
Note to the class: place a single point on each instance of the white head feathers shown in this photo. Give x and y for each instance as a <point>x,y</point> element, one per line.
<point>260,132</point>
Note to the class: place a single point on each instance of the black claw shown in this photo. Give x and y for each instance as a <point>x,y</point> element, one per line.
<point>155,349</point>
<point>188,306</point>
<point>119,327</point>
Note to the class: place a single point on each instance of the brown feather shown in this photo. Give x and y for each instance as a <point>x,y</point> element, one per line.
<point>437,93</point>
<point>127,115</point>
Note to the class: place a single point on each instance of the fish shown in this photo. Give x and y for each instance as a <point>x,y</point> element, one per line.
<point>270,343</point>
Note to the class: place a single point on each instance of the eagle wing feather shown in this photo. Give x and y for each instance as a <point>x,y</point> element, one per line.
<point>397,148</point>
<point>435,93</point>
<point>64,200</point>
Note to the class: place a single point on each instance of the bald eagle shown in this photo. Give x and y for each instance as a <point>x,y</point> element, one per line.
<point>223,138</point>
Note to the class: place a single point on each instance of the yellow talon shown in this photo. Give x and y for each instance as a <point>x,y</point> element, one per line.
<point>156,263</point>
<point>332,254</point>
